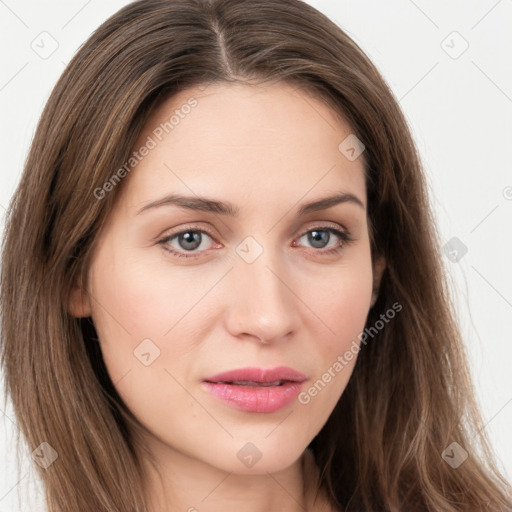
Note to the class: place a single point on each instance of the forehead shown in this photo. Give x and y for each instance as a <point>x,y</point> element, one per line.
<point>256,140</point>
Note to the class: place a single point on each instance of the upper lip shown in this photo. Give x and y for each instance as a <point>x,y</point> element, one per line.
<point>254,374</point>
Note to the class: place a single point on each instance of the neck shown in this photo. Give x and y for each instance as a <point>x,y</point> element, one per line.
<point>187,484</point>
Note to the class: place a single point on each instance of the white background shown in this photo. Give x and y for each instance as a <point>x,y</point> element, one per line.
<point>460,112</point>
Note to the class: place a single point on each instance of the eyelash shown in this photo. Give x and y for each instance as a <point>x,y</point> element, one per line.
<point>345,237</point>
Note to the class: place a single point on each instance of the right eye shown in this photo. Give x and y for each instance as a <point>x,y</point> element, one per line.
<point>186,241</point>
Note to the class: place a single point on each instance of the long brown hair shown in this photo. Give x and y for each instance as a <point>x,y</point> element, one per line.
<point>410,395</point>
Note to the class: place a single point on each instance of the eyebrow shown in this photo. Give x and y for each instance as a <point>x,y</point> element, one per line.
<point>205,204</point>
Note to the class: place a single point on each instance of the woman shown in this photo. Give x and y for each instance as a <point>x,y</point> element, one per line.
<point>221,280</point>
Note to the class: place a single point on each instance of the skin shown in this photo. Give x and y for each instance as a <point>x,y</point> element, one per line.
<point>267,150</point>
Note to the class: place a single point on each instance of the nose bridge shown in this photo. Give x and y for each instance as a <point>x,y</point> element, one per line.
<point>263,304</point>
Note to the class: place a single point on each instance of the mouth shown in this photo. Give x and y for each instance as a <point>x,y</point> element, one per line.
<point>258,376</point>
<point>251,383</point>
<point>256,389</point>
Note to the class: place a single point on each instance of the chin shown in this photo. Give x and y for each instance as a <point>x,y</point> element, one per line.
<point>257,456</point>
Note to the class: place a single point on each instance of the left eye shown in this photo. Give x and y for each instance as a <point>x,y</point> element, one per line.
<point>191,240</point>
<point>320,236</point>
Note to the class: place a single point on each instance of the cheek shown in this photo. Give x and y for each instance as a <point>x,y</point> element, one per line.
<point>341,305</point>
<point>138,312</point>
<point>124,310</point>
<point>134,299</point>
<point>341,302</point>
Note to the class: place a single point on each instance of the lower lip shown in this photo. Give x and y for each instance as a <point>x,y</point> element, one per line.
<point>255,399</point>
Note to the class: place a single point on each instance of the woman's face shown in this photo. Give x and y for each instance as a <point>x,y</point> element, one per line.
<point>182,290</point>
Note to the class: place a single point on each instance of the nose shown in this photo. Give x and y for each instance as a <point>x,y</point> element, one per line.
<point>263,303</point>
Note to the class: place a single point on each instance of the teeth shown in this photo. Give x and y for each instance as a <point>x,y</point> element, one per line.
<point>254,384</point>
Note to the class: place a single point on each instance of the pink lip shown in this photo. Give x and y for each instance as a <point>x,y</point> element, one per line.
<point>257,397</point>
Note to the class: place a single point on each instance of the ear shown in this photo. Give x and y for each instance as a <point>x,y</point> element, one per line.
<point>79,303</point>
<point>379,266</point>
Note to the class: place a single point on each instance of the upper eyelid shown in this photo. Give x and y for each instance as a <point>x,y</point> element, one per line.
<point>312,226</point>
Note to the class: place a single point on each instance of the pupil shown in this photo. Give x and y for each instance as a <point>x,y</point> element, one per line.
<point>192,238</point>
<point>319,237</point>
